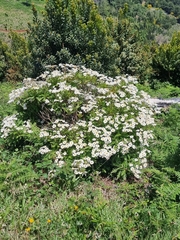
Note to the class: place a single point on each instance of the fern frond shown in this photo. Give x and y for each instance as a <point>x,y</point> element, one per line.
<point>14,173</point>
<point>173,174</point>
<point>170,191</point>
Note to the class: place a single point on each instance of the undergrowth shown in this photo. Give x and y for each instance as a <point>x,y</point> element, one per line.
<point>93,207</point>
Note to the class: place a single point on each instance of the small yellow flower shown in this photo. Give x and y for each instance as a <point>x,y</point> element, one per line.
<point>28,229</point>
<point>76,208</point>
<point>31,220</point>
<point>49,220</point>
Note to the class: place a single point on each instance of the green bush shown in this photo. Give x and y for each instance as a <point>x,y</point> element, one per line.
<point>14,58</point>
<point>166,61</point>
<point>165,147</point>
<point>72,32</point>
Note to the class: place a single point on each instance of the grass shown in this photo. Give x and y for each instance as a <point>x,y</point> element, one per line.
<point>95,207</point>
<point>5,89</point>
<point>16,14</point>
<point>161,90</point>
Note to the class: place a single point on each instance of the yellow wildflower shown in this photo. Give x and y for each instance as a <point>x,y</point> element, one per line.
<point>28,229</point>
<point>76,208</point>
<point>31,220</point>
<point>48,221</point>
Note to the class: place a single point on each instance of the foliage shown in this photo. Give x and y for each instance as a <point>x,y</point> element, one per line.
<point>77,33</point>
<point>167,139</point>
<point>15,58</point>
<point>166,61</point>
<point>116,44</point>
<point>3,67</point>
<point>149,20</point>
<point>134,57</point>
<point>5,108</point>
<point>170,7</point>
<point>161,90</point>
<point>72,32</point>
<point>13,173</point>
<point>100,209</point>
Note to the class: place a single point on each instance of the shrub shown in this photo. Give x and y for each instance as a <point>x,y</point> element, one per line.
<point>166,61</point>
<point>14,58</point>
<point>3,67</point>
<point>79,121</point>
<point>72,32</point>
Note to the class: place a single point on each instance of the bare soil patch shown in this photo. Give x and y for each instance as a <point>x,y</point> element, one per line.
<point>16,30</point>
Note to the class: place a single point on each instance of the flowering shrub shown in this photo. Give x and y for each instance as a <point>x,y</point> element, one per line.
<point>77,118</point>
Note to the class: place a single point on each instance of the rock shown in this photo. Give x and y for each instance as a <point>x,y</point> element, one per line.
<point>161,103</point>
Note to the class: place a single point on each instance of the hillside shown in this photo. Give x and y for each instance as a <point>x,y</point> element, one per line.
<point>16,14</point>
<point>84,152</point>
<point>170,7</point>
<point>154,19</point>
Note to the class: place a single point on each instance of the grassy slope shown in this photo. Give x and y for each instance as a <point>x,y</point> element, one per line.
<point>16,14</point>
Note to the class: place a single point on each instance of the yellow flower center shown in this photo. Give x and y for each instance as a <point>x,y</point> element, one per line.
<point>31,220</point>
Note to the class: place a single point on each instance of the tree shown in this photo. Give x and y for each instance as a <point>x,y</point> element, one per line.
<point>14,58</point>
<point>166,61</point>
<point>3,66</point>
<point>134,56</point>
<point>72,31</point>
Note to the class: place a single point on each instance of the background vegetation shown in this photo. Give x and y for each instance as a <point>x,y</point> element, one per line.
<point>110,36</point>
<point>115,38</point>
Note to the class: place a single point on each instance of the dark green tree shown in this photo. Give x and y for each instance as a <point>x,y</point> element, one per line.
<point>166,61</point>
<point>72,31</point>
<point>3,65</point>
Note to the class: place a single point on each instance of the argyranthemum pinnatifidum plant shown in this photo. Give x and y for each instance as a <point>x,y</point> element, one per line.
<point>80,117</point>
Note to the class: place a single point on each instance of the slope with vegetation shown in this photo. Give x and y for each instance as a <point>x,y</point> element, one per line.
<point>16,14</point>
<point>126,42</point>
<point>82,153</point>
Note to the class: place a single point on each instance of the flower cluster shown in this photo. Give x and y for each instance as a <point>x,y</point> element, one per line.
<point>44,150</point>
<point>90,117</point>
<point>9,123</point>
<point>28,83</point>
